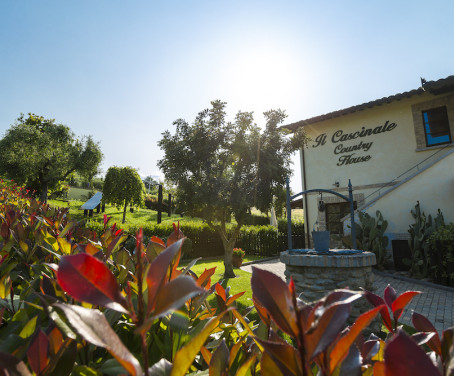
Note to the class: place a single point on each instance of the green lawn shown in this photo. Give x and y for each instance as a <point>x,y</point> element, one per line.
<point>140,216</point>
<point>241,283</point>
<point>78,193</point>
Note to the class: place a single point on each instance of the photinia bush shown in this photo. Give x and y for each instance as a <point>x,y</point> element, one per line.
<point>76,302</point>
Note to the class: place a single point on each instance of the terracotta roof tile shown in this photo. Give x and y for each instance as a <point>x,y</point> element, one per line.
<point>441,86</point>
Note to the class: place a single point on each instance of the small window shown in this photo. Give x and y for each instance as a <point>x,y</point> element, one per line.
<point>334,213</point>
<point>436,126</point>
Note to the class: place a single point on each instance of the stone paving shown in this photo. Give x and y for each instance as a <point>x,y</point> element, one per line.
<point>435,302</point>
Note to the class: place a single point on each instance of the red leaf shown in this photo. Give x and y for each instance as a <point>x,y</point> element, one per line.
<point>291,287</point>
<point>174,294</point>
<point>284,356</point>
<point>401,301</point>
<point>422,324</point>
<point>55,340</point>
<point>220,291</point>
<point>175,235</point>
<point>37,352</point>
<point>343,345</point>
<point>106,219</point>
<point>403,357</point>
<point>92,325</point>
<point>91,249</point>
<point>370,349</point>
<point>390,295</point>
<point>273,294</point>
<point>204,279</point>
<point>157,240</point>
<point>376,301</point>
<point>158,273</point>
<point>327,328</point>
<point>263,313</point>
<point>422,338</point>
<point>88,279</point>
<point>379,369</point>
<point>139,239</point>
<point>5,231</point>
<point>232,298</point>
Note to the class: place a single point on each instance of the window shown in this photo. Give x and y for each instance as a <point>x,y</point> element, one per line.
<point>334,213</point>
<point>436,126</point>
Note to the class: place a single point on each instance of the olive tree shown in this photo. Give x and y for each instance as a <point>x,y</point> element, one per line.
<point>224,169</point>
<point>122,187</point>
<point>40,153</point>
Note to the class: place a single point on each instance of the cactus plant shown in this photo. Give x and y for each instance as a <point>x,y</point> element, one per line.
<point>370,236</point>
<point>420,232</point>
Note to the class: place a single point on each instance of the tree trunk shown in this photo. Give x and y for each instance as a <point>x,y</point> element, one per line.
<point>228,267</point>
<point>124,213</point>
<point>44,190</point>
<point>228,249</point>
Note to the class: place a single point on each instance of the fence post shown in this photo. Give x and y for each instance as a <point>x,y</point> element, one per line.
<point>159,203</point>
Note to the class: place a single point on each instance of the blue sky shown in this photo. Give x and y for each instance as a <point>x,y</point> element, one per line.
<point>123,71</point>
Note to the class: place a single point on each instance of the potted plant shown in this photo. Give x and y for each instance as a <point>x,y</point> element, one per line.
<point>237,257</point>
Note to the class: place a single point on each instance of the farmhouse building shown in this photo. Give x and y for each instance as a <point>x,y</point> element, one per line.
<point>396,151</point>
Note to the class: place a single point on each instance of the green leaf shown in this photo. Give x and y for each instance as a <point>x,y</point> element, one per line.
<point>111,367</point>
<point>185,356</point>
<point>219,363</point>
<point>5,286</point>
<point>29,328</point>
<point>85,371</point>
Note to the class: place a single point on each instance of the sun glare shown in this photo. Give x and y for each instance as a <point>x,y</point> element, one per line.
<point>262,79</point>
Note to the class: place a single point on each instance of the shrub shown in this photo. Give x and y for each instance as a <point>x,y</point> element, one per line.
<point>61,191</point>
<point>441,253</point>
<point>97,184</point>
<point>74,302</point>
<point>151,202</point>
<point>256,220</point>
<point>420,232</point>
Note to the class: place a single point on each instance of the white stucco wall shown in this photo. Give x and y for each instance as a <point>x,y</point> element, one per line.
<point>433,188</point>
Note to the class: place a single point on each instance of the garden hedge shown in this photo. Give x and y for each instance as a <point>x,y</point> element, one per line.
<point>263,241</point>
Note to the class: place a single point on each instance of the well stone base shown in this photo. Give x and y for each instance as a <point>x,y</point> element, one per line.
<point>316,275</point>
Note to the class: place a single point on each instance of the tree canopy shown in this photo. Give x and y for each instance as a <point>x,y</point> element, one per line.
<point>122,187</point>
<point>223,169</point>
<point>40,153</point>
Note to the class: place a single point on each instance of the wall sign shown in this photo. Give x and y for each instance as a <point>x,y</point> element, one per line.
<point>348,154</point>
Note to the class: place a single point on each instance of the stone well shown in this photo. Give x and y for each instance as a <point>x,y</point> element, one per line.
<point>315,275</point>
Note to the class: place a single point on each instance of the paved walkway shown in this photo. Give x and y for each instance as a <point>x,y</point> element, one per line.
<point>435,302</point>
